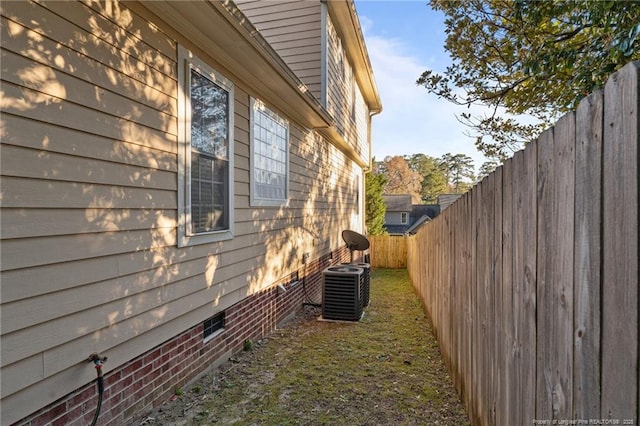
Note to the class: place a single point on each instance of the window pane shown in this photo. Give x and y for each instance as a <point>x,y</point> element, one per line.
<point>209,116</point>
<point>270,147</point>
<point>209,154</point>
<point>209,193</point>
<point>213,324</point>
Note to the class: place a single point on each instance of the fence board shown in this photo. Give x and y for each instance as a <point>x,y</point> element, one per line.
<point>525,230</point>
<point>458,283</point>
<point>620,239</point>
<point>496,274</point>
<point>468,308</point>
<point>514,280</point>
<point>544,341</point>
<point>586,368</point>
<point>555,273</point>
<point>517,206</point>
<point>562,350</point>
<point>484,261</point>
<point>446,296</point>
<point>508,378</point>
<point>476,395</point>
<point>388,251</point>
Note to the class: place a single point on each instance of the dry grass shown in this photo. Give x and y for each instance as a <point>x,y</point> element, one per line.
<point>384,370</point>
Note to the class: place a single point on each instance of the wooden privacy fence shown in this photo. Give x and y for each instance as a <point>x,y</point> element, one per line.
<point>531,279</point>
<point>388,251</point>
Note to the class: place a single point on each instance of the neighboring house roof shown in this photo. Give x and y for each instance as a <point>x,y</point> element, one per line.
<point>445,200</point>
<point>421,214</point>
<point>417,224</point>
<point>418,214</point>
<point>397,202</point>
<point>419,210</point>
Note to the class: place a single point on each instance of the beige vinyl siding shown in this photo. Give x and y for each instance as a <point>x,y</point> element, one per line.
<point>362,129</point>
<point>120,50</point>
<point>293,29</point>
<point>89,201</point>
<point>27,133</point>
<point>343,94</point>
<point>31,163</point>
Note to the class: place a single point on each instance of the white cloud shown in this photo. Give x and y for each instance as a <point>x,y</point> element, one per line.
<point>412,121</point>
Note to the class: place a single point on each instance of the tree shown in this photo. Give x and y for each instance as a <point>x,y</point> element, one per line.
<point>486,169</point>
<point>434,180</point>
<point>375,206</point>
<point>458,167</point>
<point>529,57</point>
<point>401,179</point>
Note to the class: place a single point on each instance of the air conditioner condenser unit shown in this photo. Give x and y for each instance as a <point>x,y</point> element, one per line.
<point>342,293</point>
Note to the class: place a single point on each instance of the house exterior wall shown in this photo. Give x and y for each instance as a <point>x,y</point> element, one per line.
<point>90,261</point>
<point>294,30</point>
<point>395,218</point>
<point>303,33</point>
<point>344,99</point>
<point>151,378</point>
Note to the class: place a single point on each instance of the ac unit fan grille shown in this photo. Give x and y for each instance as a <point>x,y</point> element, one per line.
<point>342,295</point>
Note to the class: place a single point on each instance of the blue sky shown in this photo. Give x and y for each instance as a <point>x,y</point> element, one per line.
<point>404,38</point>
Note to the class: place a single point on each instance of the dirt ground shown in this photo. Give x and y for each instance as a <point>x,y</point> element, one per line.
<point>383,370</point>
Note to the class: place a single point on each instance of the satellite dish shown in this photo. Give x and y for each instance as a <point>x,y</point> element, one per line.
<point>355,241</point>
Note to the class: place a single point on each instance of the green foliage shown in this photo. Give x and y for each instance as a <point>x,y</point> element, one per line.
<point>375,207</point>
<point>434,179</point>
<point>425,177</point>
<point>486,169</point>
<point>248,345</point>
<point>458,169</point>
<point>529,57</point>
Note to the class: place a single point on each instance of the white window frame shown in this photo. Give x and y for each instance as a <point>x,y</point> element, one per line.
<point>404,217</point>
<point>254,199</point>
<point>186,62</point>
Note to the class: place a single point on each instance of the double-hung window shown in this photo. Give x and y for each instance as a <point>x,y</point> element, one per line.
<point>269,156</point>
<point>205,152</point>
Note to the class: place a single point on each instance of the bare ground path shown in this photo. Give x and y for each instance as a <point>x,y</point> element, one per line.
<point>383,370</point>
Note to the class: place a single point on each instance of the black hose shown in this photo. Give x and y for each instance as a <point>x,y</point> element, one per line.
<point>309,302</point>
<point>98,364</point>
<point>100,392</point>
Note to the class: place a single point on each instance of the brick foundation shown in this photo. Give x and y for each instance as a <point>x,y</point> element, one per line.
<point>153,377</point>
